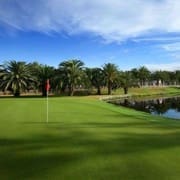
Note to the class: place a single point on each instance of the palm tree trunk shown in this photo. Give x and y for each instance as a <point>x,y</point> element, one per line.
<point>44,93</point>
<point>109,88</point>
<point>71,90</point>
<point>17,93</point>
<point>125,90</point>
<point>99,90</point>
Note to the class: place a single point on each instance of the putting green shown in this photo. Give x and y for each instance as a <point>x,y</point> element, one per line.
<point>85,139</point>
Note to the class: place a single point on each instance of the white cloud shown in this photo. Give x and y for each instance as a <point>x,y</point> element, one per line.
<point>114,20</point>
<point>158,39</point>
<point>172,47</point>
<point>167,67</point>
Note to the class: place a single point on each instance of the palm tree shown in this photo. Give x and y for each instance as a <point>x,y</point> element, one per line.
<point>127,80</point>
<point>161,77</point>
<point>96,77</point>
<point>143,75</point>
<point>72,73</point>
<point>111,72</point>
<point>177,77</point>
<point>16,76</point>
<point>42,73</point>
<point>1,72</point>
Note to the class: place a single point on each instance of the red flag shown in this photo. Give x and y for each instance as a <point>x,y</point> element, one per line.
<point>47,85</point>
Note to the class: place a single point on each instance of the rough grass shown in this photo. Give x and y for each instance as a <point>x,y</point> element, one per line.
<point>85,139</point>
<point>152,90</point>
<point>144,91</point>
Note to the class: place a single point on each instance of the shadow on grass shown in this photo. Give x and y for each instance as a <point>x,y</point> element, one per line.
<point>21,97</point>
<point>142,121</point>
<point>30,96</point>
<point>39,156</point>
<point>39,96</point>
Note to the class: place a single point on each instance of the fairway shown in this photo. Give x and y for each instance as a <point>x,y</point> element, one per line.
<point>85,139</point>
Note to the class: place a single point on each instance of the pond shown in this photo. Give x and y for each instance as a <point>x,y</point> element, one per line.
<point>167,107</point>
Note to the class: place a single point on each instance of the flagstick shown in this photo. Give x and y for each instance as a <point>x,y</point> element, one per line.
<point>47,91</point>
<point>47,120</point>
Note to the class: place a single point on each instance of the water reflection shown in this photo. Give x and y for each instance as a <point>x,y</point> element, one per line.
<point>169,107</point>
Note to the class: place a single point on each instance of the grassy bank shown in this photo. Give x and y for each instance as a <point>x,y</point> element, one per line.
<point>85,139</point>
<point>143,93</point>
<point>151,91</point>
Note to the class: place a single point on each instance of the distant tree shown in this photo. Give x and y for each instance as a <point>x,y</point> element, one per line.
<point>177,77</point>
<point>143,75</point>
<point>172,78</point>
<point>127,80</point>
<point>72,73</point>
<point>97,78</point>
<point>111,73</point>
<point>87,78</point>
<point>57,81</point>
<point>16,77</point>
<point>1,73</point>
<point>135,73</point>
<point>44,72</point>
<point>161,77</point>
<point>166,77</point>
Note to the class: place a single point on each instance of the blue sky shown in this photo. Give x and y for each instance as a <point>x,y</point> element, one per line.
<point>130,33</point>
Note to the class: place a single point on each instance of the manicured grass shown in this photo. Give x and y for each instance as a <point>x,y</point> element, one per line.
<point>85,139</point>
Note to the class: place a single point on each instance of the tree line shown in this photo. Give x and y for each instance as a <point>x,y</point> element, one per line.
<point>71,75</point>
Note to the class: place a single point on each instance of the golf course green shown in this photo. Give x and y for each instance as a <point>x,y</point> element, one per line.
<point>85,138</point>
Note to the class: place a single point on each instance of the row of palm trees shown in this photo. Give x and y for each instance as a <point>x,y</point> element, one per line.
<point>19,76</point>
